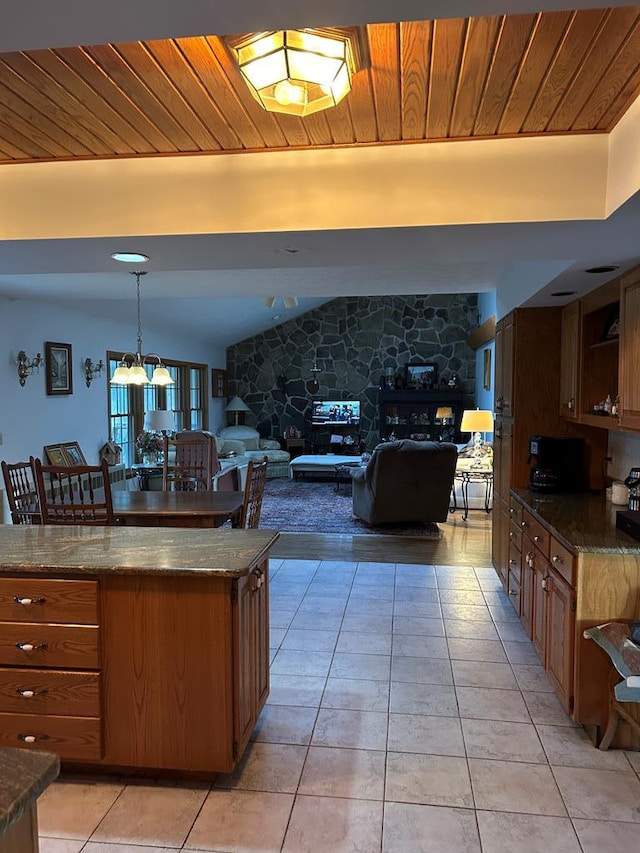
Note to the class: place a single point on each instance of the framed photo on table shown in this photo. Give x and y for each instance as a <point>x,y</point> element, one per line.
<point>73,453</point>
<point>57,360</point>
<point>421,376</point>
<point>56,455</point>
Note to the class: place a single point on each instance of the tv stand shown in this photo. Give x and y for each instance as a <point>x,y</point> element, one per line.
<point>321,439</point>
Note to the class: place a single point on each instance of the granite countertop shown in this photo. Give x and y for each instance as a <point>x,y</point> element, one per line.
<point>79,550</point>
<point>23,777</point>
<point>583,521</point>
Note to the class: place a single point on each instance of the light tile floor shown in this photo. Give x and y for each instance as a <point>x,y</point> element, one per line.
<point>408,714</point>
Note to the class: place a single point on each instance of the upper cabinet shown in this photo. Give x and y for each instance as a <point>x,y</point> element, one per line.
<point>504,357</point>
<point>630,351</point>
<point>600,356</point>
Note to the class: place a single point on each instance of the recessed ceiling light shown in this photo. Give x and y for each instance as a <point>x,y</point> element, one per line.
<point>605,268</point>
<point>130,257</point>
<point>292,250</point>
<point>565,293</point>
<point>276,316</point>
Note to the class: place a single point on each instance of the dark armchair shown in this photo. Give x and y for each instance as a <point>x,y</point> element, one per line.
<point>405,481</point>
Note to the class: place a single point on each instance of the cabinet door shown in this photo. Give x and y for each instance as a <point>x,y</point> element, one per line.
<point>560,634</point>
<point>630,355</point>
<point>570,360</point>
<point>504,347</point>
<point>244,678</point>
<point>261,647</point>
<point>540,592</point>
<point>526,587</point>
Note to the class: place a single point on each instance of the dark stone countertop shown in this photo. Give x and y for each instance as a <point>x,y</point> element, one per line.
<point>583,521</point>
<point>90,551</point>
<point>23,777</point>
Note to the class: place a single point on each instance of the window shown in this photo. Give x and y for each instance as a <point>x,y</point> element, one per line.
<point>186,398</point>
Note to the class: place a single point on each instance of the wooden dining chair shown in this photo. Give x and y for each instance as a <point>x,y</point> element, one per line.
<point>253,492</point>
<point>190,461</point>
<point>78,494</point>
<point>22,494</point>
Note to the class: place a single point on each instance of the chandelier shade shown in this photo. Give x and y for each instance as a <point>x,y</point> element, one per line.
<point>297,72</point>
<point>131,370</point>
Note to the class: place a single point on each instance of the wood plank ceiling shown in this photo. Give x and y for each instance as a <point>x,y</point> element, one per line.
<point>546,73</point>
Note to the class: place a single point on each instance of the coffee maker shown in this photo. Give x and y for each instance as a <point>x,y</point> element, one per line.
<point>558,464</point>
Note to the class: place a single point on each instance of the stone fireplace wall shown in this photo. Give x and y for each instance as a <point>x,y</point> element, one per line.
<point>354,341</point>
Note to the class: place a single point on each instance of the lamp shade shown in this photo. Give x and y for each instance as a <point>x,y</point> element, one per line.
<point>235,404</point>
<point>159,420</point>
<point>477,420</point>
<point>444,412</point>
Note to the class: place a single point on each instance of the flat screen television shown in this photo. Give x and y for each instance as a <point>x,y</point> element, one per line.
<point>336,412</point>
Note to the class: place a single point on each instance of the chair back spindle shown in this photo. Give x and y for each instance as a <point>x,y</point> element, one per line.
<point>22,494</point>
<point>253,492</point>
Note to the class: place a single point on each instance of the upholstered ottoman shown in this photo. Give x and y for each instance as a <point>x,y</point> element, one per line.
<point>321,464</point>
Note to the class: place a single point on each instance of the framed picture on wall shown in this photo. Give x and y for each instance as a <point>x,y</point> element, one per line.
<point>421,376</point>
<point>57,360</point>
<point>487,370</point>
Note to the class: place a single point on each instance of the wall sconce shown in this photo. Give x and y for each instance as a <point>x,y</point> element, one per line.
<point>92,370</point>
<point>26,366</point>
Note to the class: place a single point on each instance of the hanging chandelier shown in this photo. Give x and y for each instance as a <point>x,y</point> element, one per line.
<point>131,370</point>
<point>298,72</point>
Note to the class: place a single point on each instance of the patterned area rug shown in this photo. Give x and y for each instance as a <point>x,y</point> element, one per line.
<point>313,506</point>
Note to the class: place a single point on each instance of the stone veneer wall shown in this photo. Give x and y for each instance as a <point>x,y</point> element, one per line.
<point>354,340</point>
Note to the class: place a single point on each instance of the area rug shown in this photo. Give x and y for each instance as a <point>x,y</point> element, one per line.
<point>312,506</point>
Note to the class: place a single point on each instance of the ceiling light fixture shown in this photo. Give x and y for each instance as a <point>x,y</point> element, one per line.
<point>133,372</point>
<point>298,72</point>
<point>130,257</point>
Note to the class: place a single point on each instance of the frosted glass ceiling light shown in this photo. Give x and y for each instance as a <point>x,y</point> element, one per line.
<point>129,257</point>
<point>131,370</point>
<point>297,72</point>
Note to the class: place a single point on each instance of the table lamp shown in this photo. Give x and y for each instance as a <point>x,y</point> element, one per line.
<point>444,414</point>
<point>159,420</point>
<point>477,421</point>
<point>236,405</point>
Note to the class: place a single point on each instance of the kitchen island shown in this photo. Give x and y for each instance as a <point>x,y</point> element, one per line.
<point>134,648</point>
<point>23,777</point>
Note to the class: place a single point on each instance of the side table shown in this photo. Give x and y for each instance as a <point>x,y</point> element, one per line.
<point>295,446</point>
<point>465,475</point>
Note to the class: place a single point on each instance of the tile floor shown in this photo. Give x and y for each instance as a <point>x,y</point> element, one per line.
<point>408,712</point>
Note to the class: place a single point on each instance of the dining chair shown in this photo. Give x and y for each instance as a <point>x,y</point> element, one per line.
<point>75,494</point>
<point>189,463</point>
<point>253,492</point>
<point>22,494</point>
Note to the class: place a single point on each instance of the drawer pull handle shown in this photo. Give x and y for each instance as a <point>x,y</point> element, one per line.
<point>512,562</point>
<point>27,601</point>
<point>29,694</point>
<point>557,559</point>
<point>512,592</point>
<point>30,647</point>
<point>536,538</point>
<point>523,524</point>
<point>32,738</point>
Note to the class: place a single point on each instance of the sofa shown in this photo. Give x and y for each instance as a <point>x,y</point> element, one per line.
<point>405,482</point>
<point>245,443</point>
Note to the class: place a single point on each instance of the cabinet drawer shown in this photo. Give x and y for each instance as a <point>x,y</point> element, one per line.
<point>72,738</point>
<point>64,646</point>
<point>562,560</point>
<point>515,534</point>
<point>515,511</point>
<point>539,535</point>
<point>514,592</point>
<point>515,560</point>
<point>43,600</point>
<point>42,691</point>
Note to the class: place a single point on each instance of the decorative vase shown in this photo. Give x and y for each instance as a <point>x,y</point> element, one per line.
<point>150,457</point>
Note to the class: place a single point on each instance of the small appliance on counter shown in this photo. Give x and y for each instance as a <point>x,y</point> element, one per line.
<point>629,521</point>
<point>633,482</point>
<point>558,464</point>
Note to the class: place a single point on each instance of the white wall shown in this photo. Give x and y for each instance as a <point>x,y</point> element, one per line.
<point>484,397</point>
<point>29,418</point>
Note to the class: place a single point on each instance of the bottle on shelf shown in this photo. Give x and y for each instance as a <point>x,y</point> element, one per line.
<point>608,405</point>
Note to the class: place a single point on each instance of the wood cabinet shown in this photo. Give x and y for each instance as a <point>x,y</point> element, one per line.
<point>570,360</point>
<point>630,352</point>
<point>49,666</point>
<point>527,386</point>
<point>413,414</point>
<point>172,675</point>
<point>561,606</point>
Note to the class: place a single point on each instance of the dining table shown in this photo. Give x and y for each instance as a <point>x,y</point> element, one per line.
<point>177,509</point>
